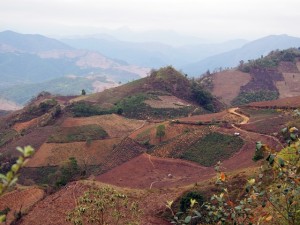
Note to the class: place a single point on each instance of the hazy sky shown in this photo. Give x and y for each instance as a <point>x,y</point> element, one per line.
<point>210,19</point>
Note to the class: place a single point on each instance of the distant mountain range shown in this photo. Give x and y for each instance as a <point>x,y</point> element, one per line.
<point>251,50</point>
<point>28,60</point>
<point>151,54</point>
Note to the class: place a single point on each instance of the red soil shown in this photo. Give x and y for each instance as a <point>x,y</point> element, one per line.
<point>20,200</point>
<point>114,125</point>
<point>149,132</point>
<point>220,116</point>
<point>25,125</point>
<point>290,102</point>
<point>53,209</point>
<point>53,154</point>
<point>147,171</point>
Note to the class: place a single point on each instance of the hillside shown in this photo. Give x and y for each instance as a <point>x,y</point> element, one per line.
<point>273,76</point>
<point>111,148</point>
<point>165,93</point>
<point>251,50</point>
<point>156,139</point>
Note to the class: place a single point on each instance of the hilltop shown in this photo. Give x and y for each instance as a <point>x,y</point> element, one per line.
<point>163,94</point>
<point>267,78</point>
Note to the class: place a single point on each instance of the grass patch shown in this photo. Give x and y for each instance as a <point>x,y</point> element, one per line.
<point>212,148</point>
<point>80,133</point>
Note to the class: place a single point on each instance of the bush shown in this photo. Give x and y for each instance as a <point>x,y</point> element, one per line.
<point>185,202</point>
<point>67,172</point>
<point>84,109</point>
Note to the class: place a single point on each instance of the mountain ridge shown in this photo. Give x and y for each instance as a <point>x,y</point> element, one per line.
<point>251,50</point>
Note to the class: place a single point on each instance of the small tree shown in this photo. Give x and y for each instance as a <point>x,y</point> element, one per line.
<point>68,171</point>
<point>83,92</point>
<point>160,131</point>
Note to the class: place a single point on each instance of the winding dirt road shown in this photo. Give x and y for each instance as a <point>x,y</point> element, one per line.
<point>244,117</point>
<point>245,121</point>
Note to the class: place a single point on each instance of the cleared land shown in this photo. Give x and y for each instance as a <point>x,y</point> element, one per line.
<point>114,125</point>
<point>25,125</point>
<point>153,172</point>
<point>226,84</point>
<point>148,133</point>
<point>212,117</point>
<point>56,206</point>
<point>22,199</point>
<point>52,154</point>
<point>290,86</point>
<point>286,103</point>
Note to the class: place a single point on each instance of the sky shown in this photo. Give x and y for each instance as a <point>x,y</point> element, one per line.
<point>207,19</point>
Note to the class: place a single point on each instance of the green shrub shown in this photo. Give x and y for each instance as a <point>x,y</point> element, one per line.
<point>84,109</point>
<point>185,201</point>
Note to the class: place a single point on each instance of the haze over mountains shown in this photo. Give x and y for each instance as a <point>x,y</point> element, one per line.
<point>27,61</point>
<point>194,58</point>
<point>152,53</point>
<point>30,64</point>
<point>251,50</point>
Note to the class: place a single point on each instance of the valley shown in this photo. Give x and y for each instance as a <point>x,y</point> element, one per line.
<point>112,136</point>
<point>154,135</point>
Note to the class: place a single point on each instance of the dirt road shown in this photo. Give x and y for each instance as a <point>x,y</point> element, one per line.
<point>244,117</point>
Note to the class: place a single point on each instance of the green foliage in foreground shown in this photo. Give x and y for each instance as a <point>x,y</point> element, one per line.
<point>212,148</point>
<point>271,196</point>
<point>11,177</point>
<point>185,201</point>
<point>80,133</point>
<point>257,96</point>
<point>105,205</point>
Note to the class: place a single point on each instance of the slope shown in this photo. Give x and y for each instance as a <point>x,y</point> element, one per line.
<point>273,76</point>
<point>148,96</point>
